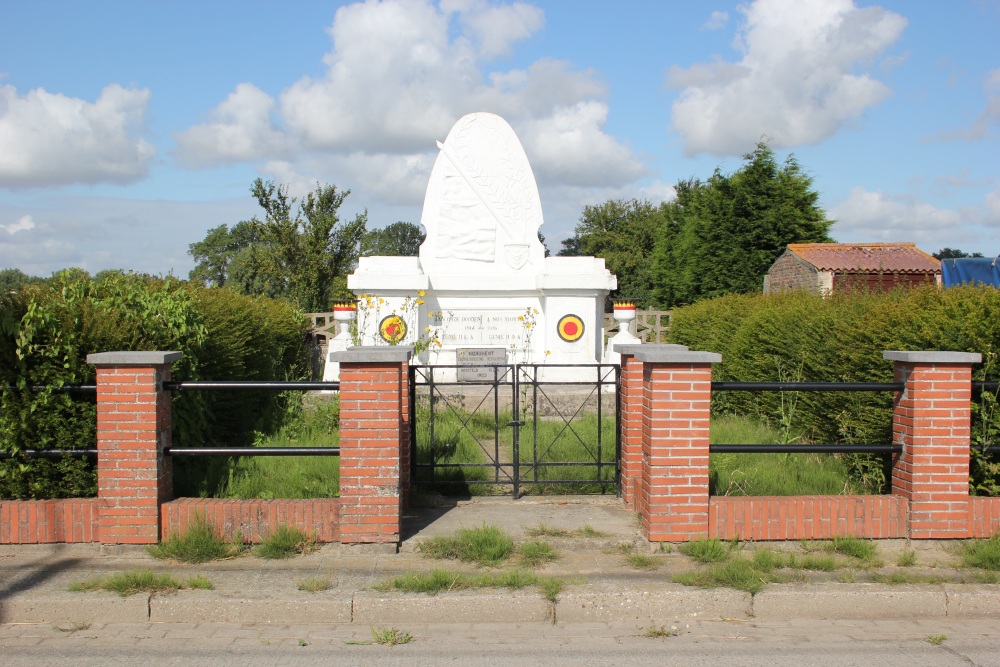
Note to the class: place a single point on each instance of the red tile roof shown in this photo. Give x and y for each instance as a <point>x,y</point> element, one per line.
<point>867,257</point>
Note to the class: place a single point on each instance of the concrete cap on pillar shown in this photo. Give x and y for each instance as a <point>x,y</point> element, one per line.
<point>669,354</point>
<point>133,358</point>
<point>632,348</point>
<point>933,357</point>
<point>373,354</point>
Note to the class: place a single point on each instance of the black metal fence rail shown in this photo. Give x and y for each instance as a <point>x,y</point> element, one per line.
<point>836,448</point>
<point>196,385</point>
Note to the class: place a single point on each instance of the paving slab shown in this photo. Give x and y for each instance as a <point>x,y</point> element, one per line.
<point>857,601</point>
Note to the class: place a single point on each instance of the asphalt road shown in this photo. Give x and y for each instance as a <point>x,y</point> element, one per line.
<point>974,643</point>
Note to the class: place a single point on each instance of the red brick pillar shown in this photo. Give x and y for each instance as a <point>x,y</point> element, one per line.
<point>374,442</point>
<point>677,401</point>
<point>931,420</point>
<point>631,400</point>
<point>134,476</point>
<point>630,424</point>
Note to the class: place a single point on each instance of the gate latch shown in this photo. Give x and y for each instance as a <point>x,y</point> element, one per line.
<point>515,423</point>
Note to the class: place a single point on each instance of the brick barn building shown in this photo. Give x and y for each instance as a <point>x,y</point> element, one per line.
<point>833,267</point>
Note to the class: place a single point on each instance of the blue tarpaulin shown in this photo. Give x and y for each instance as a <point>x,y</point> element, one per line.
<point>970,270</point>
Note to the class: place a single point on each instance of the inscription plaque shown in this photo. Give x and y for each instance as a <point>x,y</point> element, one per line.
<point>474,363</point>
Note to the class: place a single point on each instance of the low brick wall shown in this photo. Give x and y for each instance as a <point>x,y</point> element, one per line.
<point>49,521</point>
<point>254,519</point>
<point>807,517</point>
<point>984,516</point>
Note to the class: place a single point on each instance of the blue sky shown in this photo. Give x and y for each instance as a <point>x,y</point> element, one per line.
<point>128,129</point>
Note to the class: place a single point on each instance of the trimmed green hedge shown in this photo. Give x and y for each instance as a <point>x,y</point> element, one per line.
<point>47,330</point>
<point>800,337</point>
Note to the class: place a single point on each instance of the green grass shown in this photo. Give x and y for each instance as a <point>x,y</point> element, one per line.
<point>438,581</point>
<point>738,573</point>
<point>487,545</point>
<point>907,559</point>
<point>270,477</point>
<point>642,562</point>
<point>706,551</point>
<point>314,585</point>
<point>982,554</point>
<point>135,581</point>
<point>769,474</point>
<point>199,543</point>
<point>536,553</point>
<point>937,640</point>
<point>863,550</point>
<point>285,542</point>
<point>200,582</point>
<point>464,447</point>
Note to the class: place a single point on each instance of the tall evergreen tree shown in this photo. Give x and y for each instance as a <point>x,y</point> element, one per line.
<point>722,235</point>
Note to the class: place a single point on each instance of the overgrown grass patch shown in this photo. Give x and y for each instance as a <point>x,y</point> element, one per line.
<point>642,561</point>
<point>487,545</point>
<point>706,551</point>
<point>285,542</point>
<point>738,573</point>
<point>855,547</point>
<point>131,582</point>
<point>198,544</point>
<point>735,474</point>
<point>438,581</point>
<point>270,477</point>
<point>982,554</point>
<point>536,553</point>
<point>314,585</point>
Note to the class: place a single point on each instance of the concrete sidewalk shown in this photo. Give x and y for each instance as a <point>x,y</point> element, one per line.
<point>600,584</point>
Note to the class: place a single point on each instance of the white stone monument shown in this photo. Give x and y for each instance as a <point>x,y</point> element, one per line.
<point>482,286</point>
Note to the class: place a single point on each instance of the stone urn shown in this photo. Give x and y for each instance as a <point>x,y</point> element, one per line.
<point>624,314</point>
<point>343,313</point>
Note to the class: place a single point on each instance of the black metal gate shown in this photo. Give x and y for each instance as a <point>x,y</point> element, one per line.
<point>518,429</point>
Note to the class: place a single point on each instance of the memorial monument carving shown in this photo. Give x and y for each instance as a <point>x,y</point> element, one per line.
<point>482,274</point>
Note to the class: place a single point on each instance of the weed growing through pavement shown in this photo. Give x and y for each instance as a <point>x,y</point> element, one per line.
<point>907,559</point>
<point>937,640</point>
<point>285,542</point>
<point>982,554</point>
<point>131,582</point>
<point>199,543</point>
<point>706,551</point>
<point>314,585</point>
<point>661,632</point>
<point>487,545</point>
<point>438,581</point>
<point>863,550</point>
<point>738,573</point>
<point>200,582</point>
<point>386,637</point>
<point>536,553</point>
<point>642,561</point>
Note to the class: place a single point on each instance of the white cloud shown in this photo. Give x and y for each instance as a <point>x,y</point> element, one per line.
<point>988,118</point>
<point>23,224</point>
<point>801,78</point>
<point>400,73</point>
<point>495,29</point>
<point>49,139</point>
<point>717,20</point>
<point>878,216</point>
<point>241,130</point>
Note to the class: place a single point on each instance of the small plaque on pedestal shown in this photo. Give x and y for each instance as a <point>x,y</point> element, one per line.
<point>475,363</point>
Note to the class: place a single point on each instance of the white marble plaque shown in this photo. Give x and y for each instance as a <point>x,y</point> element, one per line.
<point>496,328</point>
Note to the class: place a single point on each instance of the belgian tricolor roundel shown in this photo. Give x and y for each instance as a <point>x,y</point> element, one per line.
<point>392,329</point>
<point>570,328</point>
